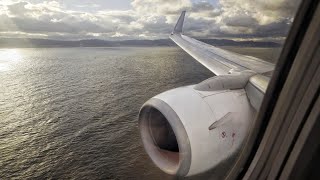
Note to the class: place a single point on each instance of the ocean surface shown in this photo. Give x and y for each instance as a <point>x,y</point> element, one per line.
<point>71,113</point>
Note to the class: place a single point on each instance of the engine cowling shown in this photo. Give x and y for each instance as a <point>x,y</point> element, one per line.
<point>187,131</point>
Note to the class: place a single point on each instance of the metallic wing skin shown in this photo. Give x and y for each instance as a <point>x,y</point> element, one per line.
<point>220,62</point>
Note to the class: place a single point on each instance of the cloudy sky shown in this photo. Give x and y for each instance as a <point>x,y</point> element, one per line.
<point>146,19</point>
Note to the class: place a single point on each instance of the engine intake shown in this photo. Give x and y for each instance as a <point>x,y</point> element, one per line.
<point>166,141</point>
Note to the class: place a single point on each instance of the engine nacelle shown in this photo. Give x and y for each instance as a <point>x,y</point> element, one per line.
<point>187,131</point>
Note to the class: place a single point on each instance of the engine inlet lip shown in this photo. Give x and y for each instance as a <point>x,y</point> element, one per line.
<point>183,166</point>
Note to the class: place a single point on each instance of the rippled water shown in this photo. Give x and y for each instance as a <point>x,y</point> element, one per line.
<point>72,112</point>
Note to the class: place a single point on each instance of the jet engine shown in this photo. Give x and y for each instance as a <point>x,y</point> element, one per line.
<point>191,129</point>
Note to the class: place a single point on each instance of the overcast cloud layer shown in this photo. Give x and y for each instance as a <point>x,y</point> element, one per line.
<point>146,19</point>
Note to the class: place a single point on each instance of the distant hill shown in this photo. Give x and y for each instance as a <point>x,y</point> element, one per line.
<point>20,42</point>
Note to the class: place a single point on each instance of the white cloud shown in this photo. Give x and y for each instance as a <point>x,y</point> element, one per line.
<point>118,34</point>
<point>238,19</point>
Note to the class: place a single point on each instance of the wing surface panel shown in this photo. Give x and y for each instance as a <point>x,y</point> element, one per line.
<point>220,61</point>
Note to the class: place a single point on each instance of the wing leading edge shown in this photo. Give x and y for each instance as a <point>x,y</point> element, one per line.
<point>219,61</point>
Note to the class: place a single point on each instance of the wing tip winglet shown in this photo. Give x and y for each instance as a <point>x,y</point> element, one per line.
<point>178,28</point>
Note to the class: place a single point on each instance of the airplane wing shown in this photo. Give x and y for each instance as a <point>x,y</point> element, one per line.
<point>220,62</point>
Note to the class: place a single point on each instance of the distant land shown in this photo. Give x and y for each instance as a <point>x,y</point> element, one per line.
<point>25,43</point>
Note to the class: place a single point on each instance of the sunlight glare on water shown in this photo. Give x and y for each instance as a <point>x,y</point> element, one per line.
<point>9,58</point>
